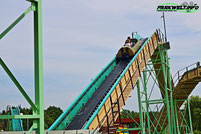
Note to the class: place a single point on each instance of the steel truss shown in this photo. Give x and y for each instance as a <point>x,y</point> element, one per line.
<point>37,106</point>
<point>151,117</point>
<point>152,106</point>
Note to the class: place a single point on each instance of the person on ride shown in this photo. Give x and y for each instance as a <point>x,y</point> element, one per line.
<point>128,42</point>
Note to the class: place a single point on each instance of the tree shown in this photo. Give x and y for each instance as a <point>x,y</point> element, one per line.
<point>51,114</point>
<point>128,114</point>
<point>195,109</point>
<point>26,123</point>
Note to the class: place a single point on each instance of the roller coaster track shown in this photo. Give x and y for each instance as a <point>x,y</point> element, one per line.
<point>186,80</point>
<point>185,83</point>
<point>109,105</point>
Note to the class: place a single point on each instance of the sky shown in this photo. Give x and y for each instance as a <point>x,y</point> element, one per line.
<point>80,38</point>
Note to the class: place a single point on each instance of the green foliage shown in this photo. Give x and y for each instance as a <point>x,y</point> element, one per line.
<point>51,114</point>
<point>26,111</point>
<point>26,123</point>
<point>195,108</point>
<point>3,112</point>
<point>1,125</point>
<point>197,132</point>
<point>128,114</point>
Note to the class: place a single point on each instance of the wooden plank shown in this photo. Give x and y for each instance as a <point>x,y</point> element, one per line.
<point>94,124</point>
<point>142,58</point>
<point>183,90</point>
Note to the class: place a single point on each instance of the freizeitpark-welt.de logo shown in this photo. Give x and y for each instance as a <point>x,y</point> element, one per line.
<point>185,7</point>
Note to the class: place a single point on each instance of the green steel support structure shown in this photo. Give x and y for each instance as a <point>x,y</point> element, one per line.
<point>189,112</point>
<point>146,100</point>
<point>38,108</point>
<point>170,93</point>
<point>182,125</point>
<point>176,116</point>
<point>140,106</point>
<point>163,66</point>
<point>154,122</point>
<point>152,119</point>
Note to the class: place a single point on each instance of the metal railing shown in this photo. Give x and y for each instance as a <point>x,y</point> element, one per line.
<point>177,77</point>
<point>161,35</point>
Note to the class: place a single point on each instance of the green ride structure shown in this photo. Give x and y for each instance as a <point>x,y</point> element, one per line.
<point>37,106</point>
<point>15,123</point>
<point>145,67</point>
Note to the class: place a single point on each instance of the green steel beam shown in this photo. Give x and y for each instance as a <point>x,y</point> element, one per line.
<point>38,67</point>
<point>157,82</point>
<point>157,100</point>
<point>31,129</point>
<point>38,107</point>
<point>165,88</point>
<point>140,106</point>
<point>129,129</point>
<point>180,100</point>
<point>2,117</point>
<point>177,122</point>
<point>189,112</point>
<point>170,89</point>
<point>17,84</point>
<point>146,100</point>
<point>183,117</point>
<point>158,121</point>
<point>15,22</point>
<point>164,123</point>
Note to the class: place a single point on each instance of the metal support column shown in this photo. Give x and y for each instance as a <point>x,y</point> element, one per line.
<point>146,100</point>
<point>189,112</point>
<point>177,122</point>
<point>170,91</point>
<point>38,106</point>
<point>140,107</point>
<point>38,65</point>
<point>163,66</point>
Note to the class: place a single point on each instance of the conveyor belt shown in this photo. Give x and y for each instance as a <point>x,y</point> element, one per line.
<point>87,111</point>
<point>91,105</point>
